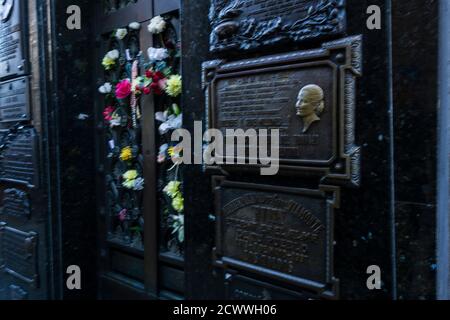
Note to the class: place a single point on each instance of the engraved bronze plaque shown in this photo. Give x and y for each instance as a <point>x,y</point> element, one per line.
<point>308,95</point>
<point>13,38</point>
<point>15,100</point>
<point>280,233</point>
<point>19,157</point>
<point>252,24</point>
<point>16,203</point>
<point>19,252</point>
<point>241,288</point>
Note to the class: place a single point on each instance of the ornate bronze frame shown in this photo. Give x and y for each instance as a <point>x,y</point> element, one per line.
<point>30,255</point>
<point>346,57</point>
<point>330,194</point>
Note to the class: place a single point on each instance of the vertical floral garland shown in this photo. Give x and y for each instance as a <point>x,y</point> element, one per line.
<point>122,119</point>
<point>169,118</point>
<point>121,115</point>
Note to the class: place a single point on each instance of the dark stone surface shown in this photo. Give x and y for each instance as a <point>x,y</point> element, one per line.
<point>362,224</point>
<point>74,140</point>
<point>416,251</point>
<point>200,283</point>
<point>415,62</point>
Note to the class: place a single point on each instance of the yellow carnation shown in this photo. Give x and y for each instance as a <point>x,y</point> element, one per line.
<point>174,86</point>
<point>126,154</point>
<point>172,188</point>
<point>108,63</point>
<point>178,203</point>
<point>130,175</point>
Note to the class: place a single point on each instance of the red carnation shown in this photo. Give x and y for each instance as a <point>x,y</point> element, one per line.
<point>157,76</point>
<point>156,89</point>
<point>149,74</point>
<point>123,89</point>
<point>146,90</point>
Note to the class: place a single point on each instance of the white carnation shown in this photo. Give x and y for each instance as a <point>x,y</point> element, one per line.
<point>106,88</point>
<point>113,54</point>
<point>121,33</point>
<point>157,25</point>
<point>157,54</point>
<point>134,26</point>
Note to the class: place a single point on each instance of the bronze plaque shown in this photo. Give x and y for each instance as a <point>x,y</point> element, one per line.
<point>19,252</point>
<point>252,24</point>
<point>308,95</point>
<point>13,38</point>
<point>15,100</point>
<point>280,233</point>
<point>16,203</point>
<point>19,157</point>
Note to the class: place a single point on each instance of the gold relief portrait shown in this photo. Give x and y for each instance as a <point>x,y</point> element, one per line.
<point>310,105</point>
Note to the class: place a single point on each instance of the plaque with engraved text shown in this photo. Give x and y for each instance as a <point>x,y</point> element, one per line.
<point>280,233</point>
<point>16,203</point>
<point>19,254</point>
<point>15,100</point>
<point>19,161</point>
<point>309,96</point>
<point>13,38</point>
<point>252,24</point>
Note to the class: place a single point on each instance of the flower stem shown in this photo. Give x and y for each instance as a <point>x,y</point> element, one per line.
<point>162,40</point>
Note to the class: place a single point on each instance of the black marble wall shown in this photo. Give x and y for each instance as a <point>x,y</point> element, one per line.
<point>415,74</point>
<point>73,144</point>
<point>396,127</point>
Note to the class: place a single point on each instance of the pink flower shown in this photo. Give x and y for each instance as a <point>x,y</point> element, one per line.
<point>162,83</point>
<point>123,89</point>
<point>123,215</point>
<point>107,113</point>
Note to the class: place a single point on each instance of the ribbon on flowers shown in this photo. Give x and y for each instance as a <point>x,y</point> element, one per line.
<point>134,75</point>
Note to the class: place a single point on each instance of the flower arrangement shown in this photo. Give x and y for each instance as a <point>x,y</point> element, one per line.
<point>122,114</point>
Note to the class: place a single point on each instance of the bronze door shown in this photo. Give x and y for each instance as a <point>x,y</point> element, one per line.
<point>131,264</point>
<point>25,255</point>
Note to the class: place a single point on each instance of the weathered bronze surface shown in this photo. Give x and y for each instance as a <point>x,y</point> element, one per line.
<point>16,203</point>
<point>252,24</point>
<point>15,100</point>
<point>243,288</point>
<point>13,53</point>
<point>19,156</point>
<point>280,233</point>
<point>308,95</point>
<point>19,254</point>
<point>17,293</point>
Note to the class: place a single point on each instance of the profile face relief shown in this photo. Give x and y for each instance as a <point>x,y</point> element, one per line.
<point>310,105</point>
